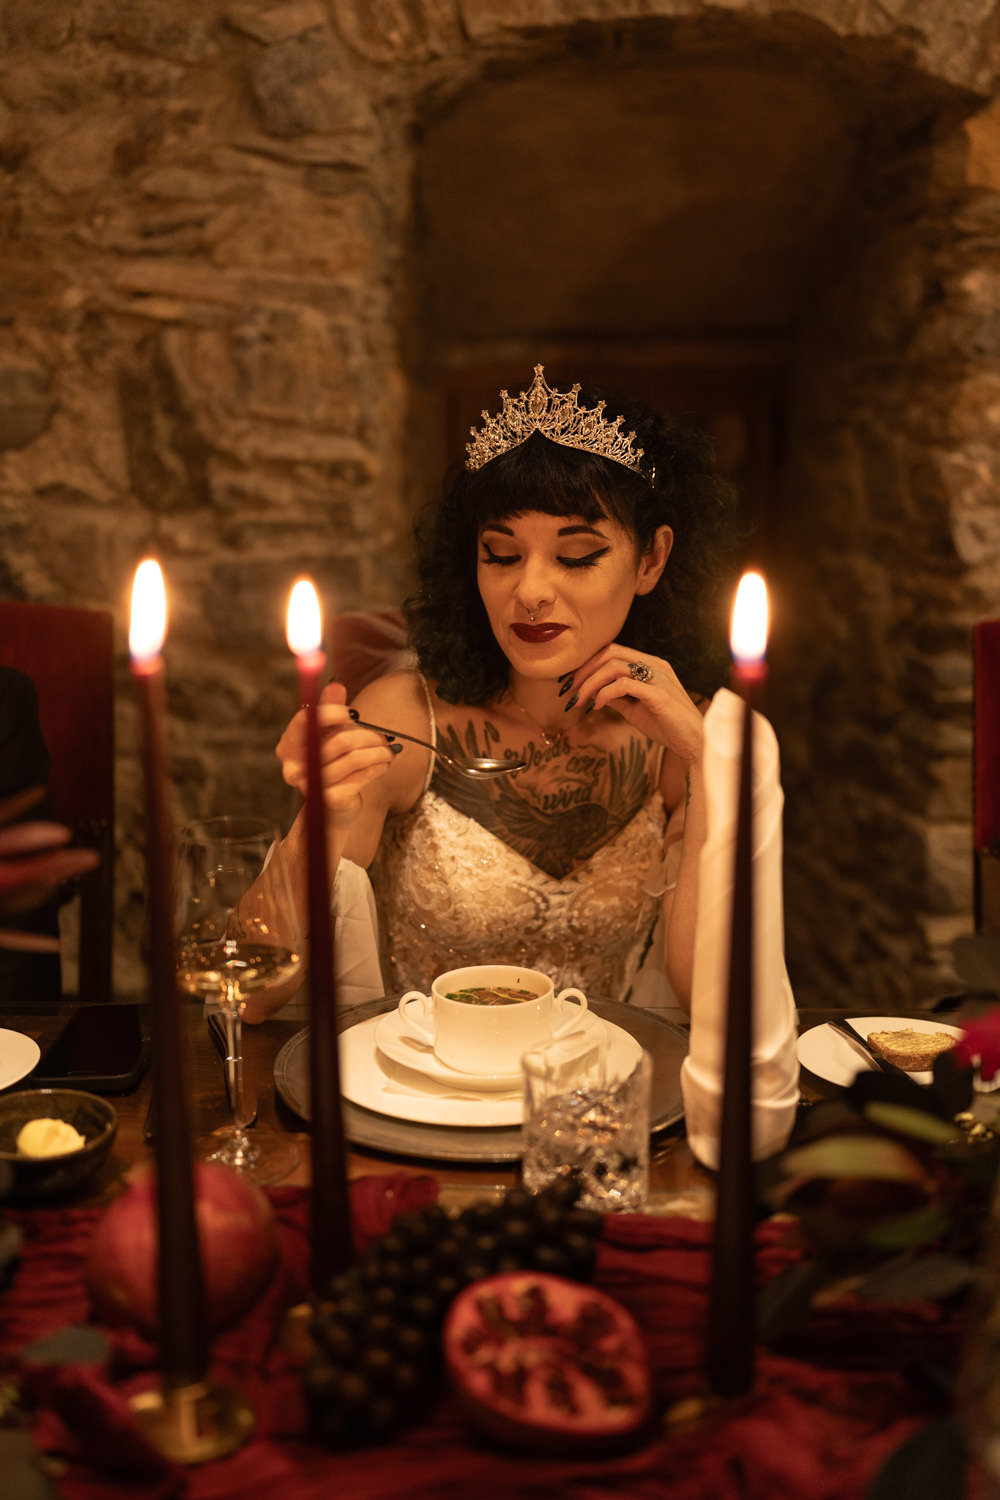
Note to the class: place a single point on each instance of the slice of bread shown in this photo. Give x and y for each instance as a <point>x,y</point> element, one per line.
<point>913,1051</point>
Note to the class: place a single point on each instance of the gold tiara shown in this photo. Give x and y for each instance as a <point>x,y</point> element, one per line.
<point>556,415</point>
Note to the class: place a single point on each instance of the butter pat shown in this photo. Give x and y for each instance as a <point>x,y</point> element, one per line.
<point>48,1138</point>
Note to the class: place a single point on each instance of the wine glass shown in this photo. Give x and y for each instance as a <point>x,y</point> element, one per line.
<point>237,935</point>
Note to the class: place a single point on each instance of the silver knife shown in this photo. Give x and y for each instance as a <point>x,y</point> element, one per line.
<point>846,1029</point>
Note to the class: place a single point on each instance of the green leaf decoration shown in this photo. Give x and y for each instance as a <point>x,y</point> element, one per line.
<point>785,1303</point>
<point>907,1278</point>
<point>912,1122</point>
<point>972,1163</point>
<point>953,1082</point>
<point>22,1468</point>
<point>854,1156</point>
<point>911,1229</point>
<point>76,1344</point>
<point>986,1109</point>
<point>826,1117</point>
<point>896,1088</point>
<point>931,1463</point>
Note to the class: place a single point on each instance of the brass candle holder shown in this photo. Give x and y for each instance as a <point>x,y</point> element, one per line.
<point>195,1423</point>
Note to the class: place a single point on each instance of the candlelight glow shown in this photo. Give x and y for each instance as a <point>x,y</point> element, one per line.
<point>748,635</point>
<point>304,627</point>
<point>148,623</point>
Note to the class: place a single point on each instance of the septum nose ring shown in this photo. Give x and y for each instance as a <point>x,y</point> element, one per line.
<point>533,612</point>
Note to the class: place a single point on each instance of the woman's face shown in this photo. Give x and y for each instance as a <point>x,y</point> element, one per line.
<point>578,578</point>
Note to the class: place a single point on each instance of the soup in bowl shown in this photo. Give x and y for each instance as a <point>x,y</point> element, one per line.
<point>482,1019</point>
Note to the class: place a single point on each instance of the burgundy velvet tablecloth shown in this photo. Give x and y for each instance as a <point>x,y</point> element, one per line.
<point>819,1426</point>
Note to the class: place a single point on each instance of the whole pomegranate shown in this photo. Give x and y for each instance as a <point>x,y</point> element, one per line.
<point>236,1237</point>
<point>548,1364</point>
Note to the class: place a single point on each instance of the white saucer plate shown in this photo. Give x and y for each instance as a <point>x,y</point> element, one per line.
<point>374,1081</point>
<point>830,1055</point>
<point>371,1079</point>
<point>409,1051</point>
<point>18,1055</point>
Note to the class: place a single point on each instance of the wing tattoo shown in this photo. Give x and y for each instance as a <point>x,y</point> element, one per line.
<point>558,818</point>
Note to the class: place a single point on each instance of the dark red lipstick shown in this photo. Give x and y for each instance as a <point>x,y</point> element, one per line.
<point>537,635</point>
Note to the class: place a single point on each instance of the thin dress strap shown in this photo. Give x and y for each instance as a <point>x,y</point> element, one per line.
<point>432,733</point>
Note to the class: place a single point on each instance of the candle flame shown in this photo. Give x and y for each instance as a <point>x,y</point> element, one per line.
<point>148,623</point>
<point>748,635</point>
<point>304,627</point>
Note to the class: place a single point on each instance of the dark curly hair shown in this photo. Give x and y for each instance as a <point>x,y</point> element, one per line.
<point>683,619</point>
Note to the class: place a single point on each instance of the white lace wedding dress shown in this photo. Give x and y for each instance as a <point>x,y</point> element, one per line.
<point>451,893</point>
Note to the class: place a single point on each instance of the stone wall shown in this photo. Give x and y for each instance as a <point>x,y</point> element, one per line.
<point>892,512</point>
<point>210,338</point>
<point>198,355</point>
<point>875,713</point>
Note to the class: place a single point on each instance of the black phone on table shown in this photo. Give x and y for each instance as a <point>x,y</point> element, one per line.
<point>102,1048</point>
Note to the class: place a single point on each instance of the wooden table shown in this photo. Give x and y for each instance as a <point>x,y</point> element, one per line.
<point>678,1183</point>
<point>673,1170</point>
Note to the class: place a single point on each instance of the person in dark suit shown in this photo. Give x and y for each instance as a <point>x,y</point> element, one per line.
<point>33,862</point>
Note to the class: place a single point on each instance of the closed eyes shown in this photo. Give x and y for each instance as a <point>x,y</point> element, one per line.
<point>507,561</point>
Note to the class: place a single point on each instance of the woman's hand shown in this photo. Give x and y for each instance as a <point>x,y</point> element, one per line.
<point>646,691</point>
<point>349,757</point>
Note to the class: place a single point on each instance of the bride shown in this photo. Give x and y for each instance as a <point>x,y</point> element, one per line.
<point>574,581</point>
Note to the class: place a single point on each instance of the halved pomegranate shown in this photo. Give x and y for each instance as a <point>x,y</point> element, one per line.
<point>548,1364</point>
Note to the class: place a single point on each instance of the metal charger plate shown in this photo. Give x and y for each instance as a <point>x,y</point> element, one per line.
<point>666,1043</point>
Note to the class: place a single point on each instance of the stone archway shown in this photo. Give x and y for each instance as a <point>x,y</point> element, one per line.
<point>815,209</point>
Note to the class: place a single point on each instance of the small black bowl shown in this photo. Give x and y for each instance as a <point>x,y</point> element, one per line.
<point>41,1176</point>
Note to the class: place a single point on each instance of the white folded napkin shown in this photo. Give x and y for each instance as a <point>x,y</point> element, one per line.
<point>774,1065</point>
<point>359,977</point>
<point>355,940</point>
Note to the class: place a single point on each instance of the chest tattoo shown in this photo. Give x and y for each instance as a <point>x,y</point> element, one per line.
<point>565,805</point>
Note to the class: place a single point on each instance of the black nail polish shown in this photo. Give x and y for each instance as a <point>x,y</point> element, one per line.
<point>353,713</point>
<point>390,738</point>
<point>396,748</point>
<point>566,685</point>
<point>566,677</point>
<point>590,705</point>
<point>571,703</point>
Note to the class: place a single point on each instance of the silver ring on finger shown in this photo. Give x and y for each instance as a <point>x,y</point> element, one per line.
<point>639,672</point>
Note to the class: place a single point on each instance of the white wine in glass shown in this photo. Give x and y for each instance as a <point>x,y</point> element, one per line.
<point>237,935</point>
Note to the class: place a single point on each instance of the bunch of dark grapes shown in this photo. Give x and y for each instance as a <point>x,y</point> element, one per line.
<point>377,1336</point>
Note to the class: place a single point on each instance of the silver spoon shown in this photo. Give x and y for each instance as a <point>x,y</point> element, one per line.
<point>481,767</point>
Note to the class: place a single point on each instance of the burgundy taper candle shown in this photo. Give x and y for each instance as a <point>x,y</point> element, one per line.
<point>183,1323</point>
<point>331,1247</point>
<point>731,1327</point>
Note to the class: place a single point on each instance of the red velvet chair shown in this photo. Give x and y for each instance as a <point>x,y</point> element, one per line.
<point>69,655</point>
<point>365,644</point>
<point>986,785</point>
<point>976,955</point>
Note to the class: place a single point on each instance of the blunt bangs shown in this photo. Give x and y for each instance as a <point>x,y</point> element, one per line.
<point>544,476</point>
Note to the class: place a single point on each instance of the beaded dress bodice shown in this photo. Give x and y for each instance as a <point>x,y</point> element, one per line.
<point>451,893</point>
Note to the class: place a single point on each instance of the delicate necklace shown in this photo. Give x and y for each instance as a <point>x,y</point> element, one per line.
<point>550,736</point>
